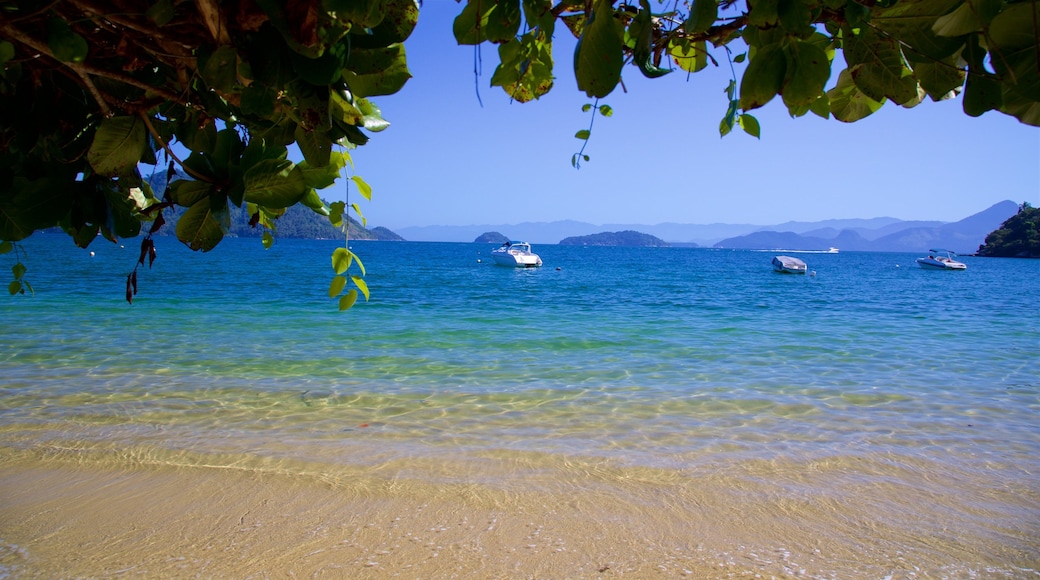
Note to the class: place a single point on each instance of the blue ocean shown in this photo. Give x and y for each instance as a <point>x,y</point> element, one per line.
<point>870,404</point>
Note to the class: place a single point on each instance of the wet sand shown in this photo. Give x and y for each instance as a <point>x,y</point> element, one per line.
<point>63,519</point>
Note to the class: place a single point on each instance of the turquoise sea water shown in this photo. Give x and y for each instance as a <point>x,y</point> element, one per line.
<point>674,360</point>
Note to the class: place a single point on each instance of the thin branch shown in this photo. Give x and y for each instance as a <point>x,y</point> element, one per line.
<point>166,147</point>
<point>106,111</point>
<point>89,8</point>
<point>81,69</point>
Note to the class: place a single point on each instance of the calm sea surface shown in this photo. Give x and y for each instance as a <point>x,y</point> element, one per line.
<point>664,360</point>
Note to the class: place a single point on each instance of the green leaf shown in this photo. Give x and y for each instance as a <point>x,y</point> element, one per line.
<point>118,146</point>
<point>470,26</point>
<point>503,21</point>
<point>878,67</point>
<point>372,72</point>
<point>763,78</point>
<point>750,125</point>
<point>1012,44</point>
<point>583,134</point>
<point>606,110</point>
<point>942,80</point>
<point>341,260</point>
<point>322,70</point>
<point>982,90</point>
<point>362,285</point>
<point>641,29</point>
<point>764,14</point>
<point>702,15</point>
<point>6,247</point>
<point>274,183</point>
<point>220,69</point>
<point>6,54</point>
<point>161,12</point>
<point>848,103</point>
<point>689,56</point>
<point>372,117</point>
<point>971,16</point>
<point>347,300</point>
<point>187,193</point>
<point>808,70</point>
<point>911,21</point>
<point>337,286</point>
<point>598,57</point>
<point>363,188</point>
<point>267,240</point>
<point>14,287</point>
<point>315,146</point>
<point>18,270</point>
<point>525,69</point>
<point>322,177</point>
<point>361,266</point>
<point>201,228</point>
<point>65,45</point>
<point>399,20</point>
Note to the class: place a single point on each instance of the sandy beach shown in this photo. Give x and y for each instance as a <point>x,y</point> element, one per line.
<point>60,519</point>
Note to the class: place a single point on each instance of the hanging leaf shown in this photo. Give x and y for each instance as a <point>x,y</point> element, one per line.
<point>702,16</point>
<point>1013,44</point>
<point>200,228</point>
<point>848,103</point>
<point>341,260</point>
<point>807,73</point>
<point>347,300</point>
<point>118,146</point>
<point>220,69</point>
<point>337,286</point>
<point>65,45</point>
<point>373,72</point>
<point>750,126</point>
<point>763,78</point>
<point>503,21</point>
<point>315,146</point>
<point>689,56</point>
<point>361,284</point>
<point>878,67</point>
<point>598,57</point>
<point>642,31</point>
<point>363,188</point>
<point>274,183</point>
<point>470,26</point>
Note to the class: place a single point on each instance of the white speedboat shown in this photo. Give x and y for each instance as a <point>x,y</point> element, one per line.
<point>789,265</point>
<point>516,255</point>
<point>936,261</point>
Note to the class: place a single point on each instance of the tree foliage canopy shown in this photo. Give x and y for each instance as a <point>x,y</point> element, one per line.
<point>91,91</point>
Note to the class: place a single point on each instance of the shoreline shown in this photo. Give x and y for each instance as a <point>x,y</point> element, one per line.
<point>63,519</point>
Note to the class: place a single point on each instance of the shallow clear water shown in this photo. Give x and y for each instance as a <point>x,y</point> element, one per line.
<point>675,360</point>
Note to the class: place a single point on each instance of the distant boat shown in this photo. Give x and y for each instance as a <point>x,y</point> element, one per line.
<point>516,255</point>
<point>936,262</point>
<point>789,265</point>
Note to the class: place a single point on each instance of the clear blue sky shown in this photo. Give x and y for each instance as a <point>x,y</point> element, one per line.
<point>447,160</point>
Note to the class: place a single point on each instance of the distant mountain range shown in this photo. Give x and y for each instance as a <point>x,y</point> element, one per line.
<point>881,234</point>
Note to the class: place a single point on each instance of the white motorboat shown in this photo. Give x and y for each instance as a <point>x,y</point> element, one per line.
<point>789,265</point>
<point>516,255</point>
<point>936,261</point>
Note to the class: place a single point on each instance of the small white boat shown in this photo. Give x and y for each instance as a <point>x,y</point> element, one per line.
<point>516,255</point>
<point>935,261</point>
<point>789,265</point>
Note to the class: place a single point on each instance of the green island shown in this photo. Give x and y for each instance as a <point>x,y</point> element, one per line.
<point>1018,237</point>
<point>625,238</point>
